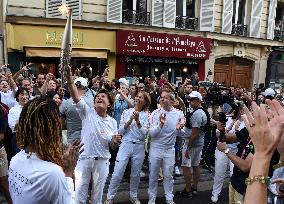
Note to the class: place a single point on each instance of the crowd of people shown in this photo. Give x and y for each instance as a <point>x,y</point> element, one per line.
<point>58,139</point>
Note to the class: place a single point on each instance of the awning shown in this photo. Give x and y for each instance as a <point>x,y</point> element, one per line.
<point>55,52</point>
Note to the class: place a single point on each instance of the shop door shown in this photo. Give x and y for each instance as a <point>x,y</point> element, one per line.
<point>233,71</point>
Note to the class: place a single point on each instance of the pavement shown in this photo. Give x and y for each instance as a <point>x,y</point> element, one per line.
<point>203,197</point>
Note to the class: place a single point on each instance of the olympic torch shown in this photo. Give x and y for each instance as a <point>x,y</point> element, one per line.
<point>66,46</point>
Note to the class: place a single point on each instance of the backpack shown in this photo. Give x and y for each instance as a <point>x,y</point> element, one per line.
<point>206,127</point>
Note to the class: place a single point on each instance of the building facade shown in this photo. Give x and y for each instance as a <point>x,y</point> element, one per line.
<point>237,36</point>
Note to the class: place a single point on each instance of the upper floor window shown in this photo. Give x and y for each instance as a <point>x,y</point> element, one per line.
<point>185,8</point>
<point>53,5</point>
<point>239,12</point>
<point>137,5</point>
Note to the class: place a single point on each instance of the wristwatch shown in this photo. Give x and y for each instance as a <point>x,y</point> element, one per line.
<point>227,151</point>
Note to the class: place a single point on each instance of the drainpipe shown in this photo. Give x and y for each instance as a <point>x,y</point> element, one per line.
<point>4,41</point>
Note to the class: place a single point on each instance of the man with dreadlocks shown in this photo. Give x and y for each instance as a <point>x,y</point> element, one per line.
<point>41,172</point>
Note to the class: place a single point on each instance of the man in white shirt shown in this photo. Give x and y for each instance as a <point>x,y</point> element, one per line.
<point>7,94</point>
<point>165,125</point>
<point>40,173</point>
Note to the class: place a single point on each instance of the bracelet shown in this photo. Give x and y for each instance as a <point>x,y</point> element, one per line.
<point>279,165</point>
<point>261,179</point>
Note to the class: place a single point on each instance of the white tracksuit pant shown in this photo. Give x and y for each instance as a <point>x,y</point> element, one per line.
<point>126,151</point>
<point>221,166</point>
<point>87,168</point>
<point>164,158</point>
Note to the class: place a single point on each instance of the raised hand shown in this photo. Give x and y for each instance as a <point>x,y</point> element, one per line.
<point>265,134</point>
<point>162,119</point>
<point>70,157</point>
<point>180,124</point>
<point>135,115</point>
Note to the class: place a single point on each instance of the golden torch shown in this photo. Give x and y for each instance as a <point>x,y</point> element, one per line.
<point>66,46</point>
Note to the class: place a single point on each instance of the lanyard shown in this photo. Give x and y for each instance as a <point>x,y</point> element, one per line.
<point>244,150</point>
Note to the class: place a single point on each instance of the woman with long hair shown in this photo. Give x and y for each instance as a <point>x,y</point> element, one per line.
<point>41,172</point>
<point>133,126</point>
<point>99,130</point>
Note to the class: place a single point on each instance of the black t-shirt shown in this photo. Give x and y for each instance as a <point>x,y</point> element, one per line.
<point>154,100</point>
<point>245,147</point>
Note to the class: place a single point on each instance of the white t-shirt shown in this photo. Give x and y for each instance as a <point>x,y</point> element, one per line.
<point>97,132</point>
<point>14,115</point>
<point>8,98</point>
<point>133,133</point>
<point>165,137</point>
<point>34,181</point>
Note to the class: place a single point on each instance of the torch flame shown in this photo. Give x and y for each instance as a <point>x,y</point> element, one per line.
<point>64,10</point>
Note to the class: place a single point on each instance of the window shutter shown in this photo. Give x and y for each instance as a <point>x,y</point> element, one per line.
<point>256,12</point>
<point>207,15</point>
<point>169,13</point>
<point>227,16</point>
<point>157,12</point>
<point>271,19</point>
<point>114,11</point>
<point>76,8</point>
<point>53,5</point>
<point>52,8</point>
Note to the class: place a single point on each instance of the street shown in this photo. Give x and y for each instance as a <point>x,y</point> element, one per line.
<point>202,198</point>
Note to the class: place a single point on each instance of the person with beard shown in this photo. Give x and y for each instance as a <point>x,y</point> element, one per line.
<point>39,83</point>
<point>134,127</point>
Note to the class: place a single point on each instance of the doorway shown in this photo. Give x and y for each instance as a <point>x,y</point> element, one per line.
<point>233,71</point>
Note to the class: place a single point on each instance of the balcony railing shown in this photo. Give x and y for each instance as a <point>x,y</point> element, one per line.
<point>134,17</point>
<point>279,35</point>
<point>240,30</point>
<point>186,22</point>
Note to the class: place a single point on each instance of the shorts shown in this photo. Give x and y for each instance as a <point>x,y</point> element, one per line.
<point>3,162</point>
<point>195,155</point>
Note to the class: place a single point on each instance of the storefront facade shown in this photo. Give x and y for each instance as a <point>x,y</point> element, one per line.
<point>40,45</point>
<point>143,54</point>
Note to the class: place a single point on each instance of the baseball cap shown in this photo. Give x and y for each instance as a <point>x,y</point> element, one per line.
<point>80,81</point>
<point>123,81</point>
<point>195,94</point>
<point>269,92</point>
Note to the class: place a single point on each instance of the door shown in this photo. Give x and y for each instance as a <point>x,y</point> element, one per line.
<point>233,71</point>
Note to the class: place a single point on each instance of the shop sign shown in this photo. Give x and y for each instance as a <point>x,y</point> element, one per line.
<point>166,60</point>
<point>162,45</point>
<point>55,38</point>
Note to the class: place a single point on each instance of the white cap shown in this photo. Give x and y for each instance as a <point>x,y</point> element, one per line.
<point>83,81</point>
<point>269,92</point>
<point>123,81</point>
<point>195,94</point>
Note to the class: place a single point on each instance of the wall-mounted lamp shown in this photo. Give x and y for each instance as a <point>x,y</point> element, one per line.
<point>184,69</point>
<point>156,69</point>
<point>170,69</point>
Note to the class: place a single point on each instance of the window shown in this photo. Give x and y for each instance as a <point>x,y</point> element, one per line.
<point>185,8</point>
<point>141,5</point>
<point>239,12</point>
<point>53,5</point>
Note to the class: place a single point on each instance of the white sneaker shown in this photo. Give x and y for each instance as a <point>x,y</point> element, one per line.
<point>170,202</point>
<point>134,200</point>
<point>110,201</point>
<point>177,172</point>
<point>152,201</point>
<point>214,199</point>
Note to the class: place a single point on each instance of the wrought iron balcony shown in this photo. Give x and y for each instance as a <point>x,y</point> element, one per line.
<point>134,17</point>
<point>240,30</point>
<point>186,22</point>
<point>279,35</point>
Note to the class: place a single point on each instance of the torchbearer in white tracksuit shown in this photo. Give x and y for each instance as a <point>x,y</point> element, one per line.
<point>134,126</point>
<point>99,130</point>
<point>165,125</point>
